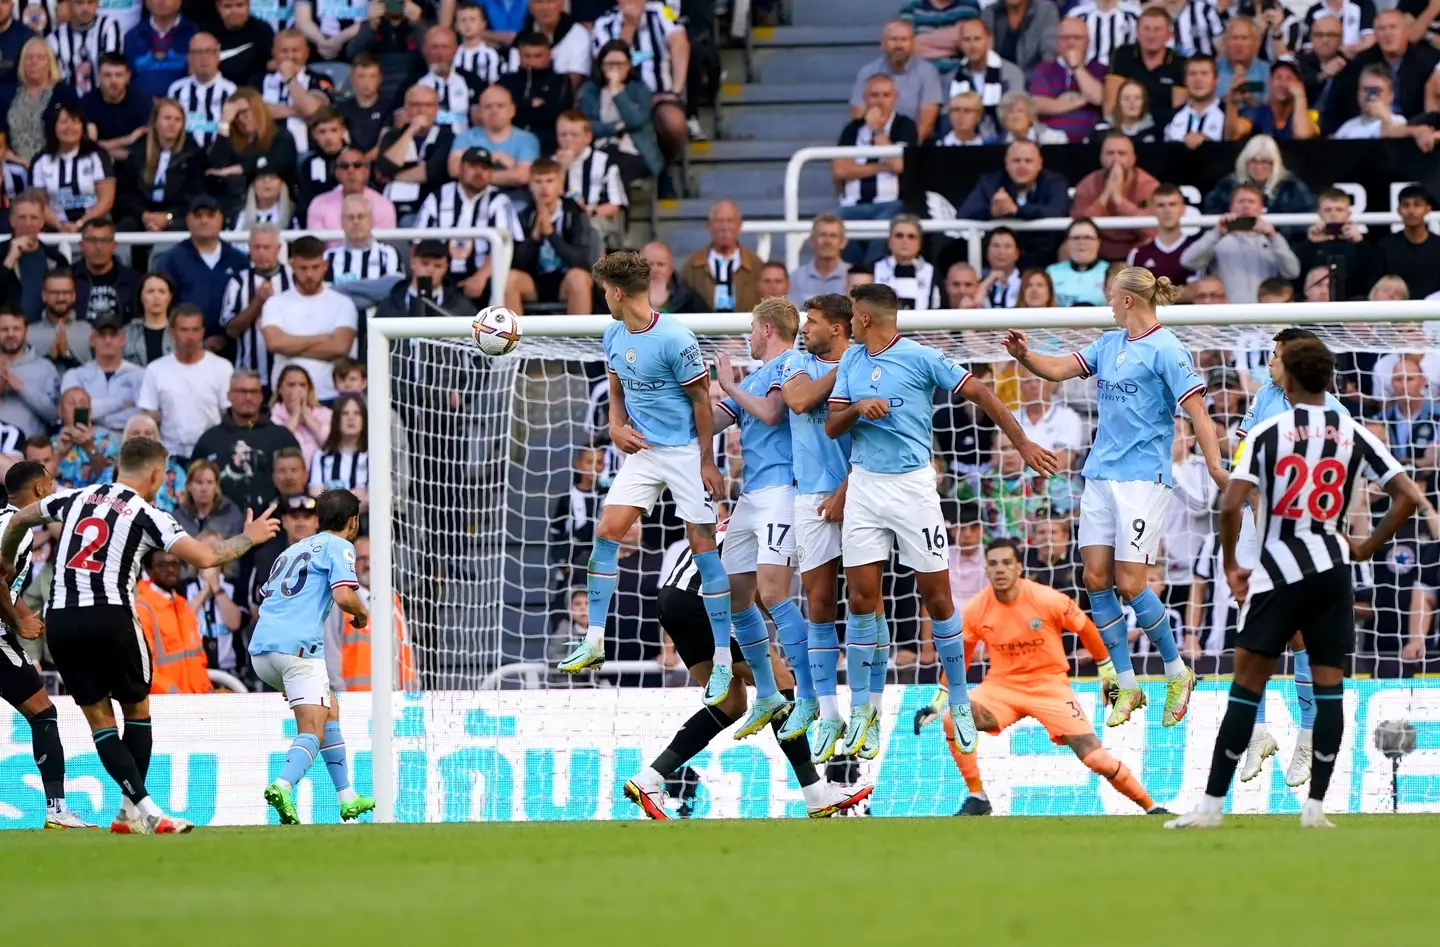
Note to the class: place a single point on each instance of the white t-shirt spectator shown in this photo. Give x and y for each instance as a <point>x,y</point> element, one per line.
<point>1058,427</point>
<point>321,314</point>
<point>1363,126</point>
<point>190,399</point>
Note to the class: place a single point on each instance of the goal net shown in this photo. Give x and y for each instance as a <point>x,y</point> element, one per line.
<point>488,476</point>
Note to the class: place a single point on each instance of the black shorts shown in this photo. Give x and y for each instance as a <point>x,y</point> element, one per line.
<point>1320,606</point>
<point>19,680</point>
<point>682,615</point>
<point>100,651</point>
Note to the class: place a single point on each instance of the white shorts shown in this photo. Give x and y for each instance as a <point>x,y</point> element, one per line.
<point>761,531</point>
<point>817,540</point>
<point>646,474</point>
<point>301,680</point>
<point>883,510</point>
<point>1125,515</point>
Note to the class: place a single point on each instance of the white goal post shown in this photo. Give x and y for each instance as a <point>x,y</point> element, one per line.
<point>1387,326</point>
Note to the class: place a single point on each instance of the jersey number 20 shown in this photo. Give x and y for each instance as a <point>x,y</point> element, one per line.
<point>294,579</point>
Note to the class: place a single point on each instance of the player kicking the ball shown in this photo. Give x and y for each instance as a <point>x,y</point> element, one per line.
<point>1021,622</point>
<point>287,649</point>
<point>660,418</point>
<point>1141,374</point>
<point>884,389</point>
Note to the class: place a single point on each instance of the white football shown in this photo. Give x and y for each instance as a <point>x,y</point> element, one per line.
<point>496,330</point>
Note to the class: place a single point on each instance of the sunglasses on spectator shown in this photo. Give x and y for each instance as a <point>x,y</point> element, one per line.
<point>348,165</point>
<point>903,235</point>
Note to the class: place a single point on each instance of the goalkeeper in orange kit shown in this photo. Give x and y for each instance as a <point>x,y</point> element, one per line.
<point>1020,622</point>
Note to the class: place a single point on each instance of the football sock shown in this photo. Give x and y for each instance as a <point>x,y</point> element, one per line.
<point>1260,715</point>
<point>1150,614</point>
<point>950,646</point>
<point>824,651</point>
<point>880,666</point>
<point>118,762</point>
<point>600,583</point>
<point>49,756</point>
<point>1230,743</point>
<point>1304,690</point>
<point>303,750</point>
<point>715,590</point>
<point>797,753</point>
<point>1110,620</point>
<point>967,763</point>
<point>138,741</point>
<point>332,751</point>
<point>790,628</point>
<point>753,637</point>
<point>859,652</point>
<point>704,725</point>
<point>1118,774</point>
<point>1329,729</point>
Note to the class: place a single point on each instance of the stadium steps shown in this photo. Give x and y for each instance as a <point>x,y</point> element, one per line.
<point>751,179</point>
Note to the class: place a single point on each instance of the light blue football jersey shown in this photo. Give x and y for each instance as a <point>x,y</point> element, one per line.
<point>821,462</point>
<point>905,374</point>
<point>296,597</point>
<point>764,450</point>
<point>1139,382</point>
<point>654,366</point>
<point>1270,400</point>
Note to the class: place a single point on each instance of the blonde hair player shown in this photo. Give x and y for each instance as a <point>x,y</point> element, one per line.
<point>1141,375</point>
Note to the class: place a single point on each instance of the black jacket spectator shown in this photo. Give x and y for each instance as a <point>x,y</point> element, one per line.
<point>244,51</point>
<point>1048,196</point>
<point>365,125</point>
<point>230,191</point>
<point>123,283</point>
<point>315,176</point>
<point>1416,67</point>
<point>541,95</point>
<point>1355,260</point>
<point>12,38</point>
<point>197,283</point>
<point>571,240</point>
<point>435,166</point>
<point>396,44</point>
<point>245,454</point>
<point>116,120</point>
<point>1418,264</point>
<point>184,178</point>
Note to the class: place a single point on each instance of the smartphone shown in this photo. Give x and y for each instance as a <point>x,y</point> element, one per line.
<point>82,416</point>
<point>1242,223</point>
<point>394,7</point>
<point>1334,230</point>
<point>1253,88</point>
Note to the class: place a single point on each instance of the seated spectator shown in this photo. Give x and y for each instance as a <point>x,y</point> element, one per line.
<point>1413,254</point>
<point>1411,65</point>
<point>1202,117</point>
<point>172,628</point>
<point>25,258</point>
<point>294,407</point>
<point>1409,415</point>
<point>160,175</point>
<point>905,270</point>
<point>352,173</point>
<point>119,114</point>
<point>1152,63</point>
<point>1079,276</point>
<point>359,256</point>
<point>1050,557</point>
<point>552,262</point>
<point>102,286</point>
<point>568,40</point>
<point>37,449</point>
<point>512,150</point>
<point>1048,422</point>
<point>962,287</point>
<point>1117,189</point>
<point>247,293</point>
<point>617,105</point>
<point>1017,121</point>
<point>350,377</point>
<point>474,199</point>
<point>937,29</point>
<point>1259,164</point>
<point>204,92</point>
<point>870,187</point>
<point>111,383</point>
<point>917,92</point>
<point>1109,25</point>
<point>724,274</point>
<point>309,324</point>
<point>82,453</point>
<point>859,275</point>
<point>983,72</point>
<point>1275,290</point>
<point>393,39</point>
<point>667,293</point>
<point>1000,289</point>
<point>1377,118</point>
<point>1069,89</point>
<point>316,172</point>
<point>1037,291</point>
<point>1389,289</point>
<point>662,52</point>
<point>965,113</point>
<point>185,391</point>
<point>318,24</point>
<point>246,42</point>
<point>1161,253</point>
<point>1244,249</point>
<point>1210,291</point>
<point>75,173</point>
<point>60,335</point>
<point>1322,62</point>
<point>457,91</point>
<point>249,141</point>
<point>592,178</point>
<point>29,107</point>
<point>1024,190</point>
<point>267,201</point>
<point>31,382</point>
<point>81,40</point>
<point>1335,240</point>
<point>199,266</point>
<point>1131,115</point>
<point>1285,116</point>
<point>363,111</point>
<point>1318,285</point>
<point>343,462</point>
<point>293,93</point>
<point>412,162</point>
<point>1241,63</point>
<point>148,337</point>
<point>825,271</point>
<point>156,47</point>
<point>1025,29</point>
<point>203,508</point>
<point>1356,22</point>
<point>774,280</point>
<point>541,94</point>
<point>245,445</point>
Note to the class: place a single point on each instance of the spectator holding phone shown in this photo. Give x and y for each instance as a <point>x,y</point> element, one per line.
<point>1335,241</point>
<point>1285,115</point>
<point>1245,249</point>
<point>1377,118</point>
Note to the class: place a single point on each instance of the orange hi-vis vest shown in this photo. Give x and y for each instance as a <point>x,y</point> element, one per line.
<point>176,647</point>
<point>355,654</point>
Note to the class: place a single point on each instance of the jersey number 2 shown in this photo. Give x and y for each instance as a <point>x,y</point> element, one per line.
<point>84,559</point>
<point>1326,480</point>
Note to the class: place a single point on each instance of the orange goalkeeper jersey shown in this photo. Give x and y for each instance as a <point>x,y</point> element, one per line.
<point>1023,638</point>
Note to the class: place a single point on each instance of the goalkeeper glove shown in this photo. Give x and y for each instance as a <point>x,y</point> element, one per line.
<point>1109,681</point>
<point>932,711</point>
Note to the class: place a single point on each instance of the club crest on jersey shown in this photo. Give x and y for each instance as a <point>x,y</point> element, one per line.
<point>629,356</point>
<point>1036,624</point>
<point>350,555</point>
<point>875,375</point>
<point>1120,359</point>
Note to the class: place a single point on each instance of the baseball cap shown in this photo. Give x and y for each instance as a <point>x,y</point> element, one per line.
<point>108,321</point>
<point>431,249</point>
<point>1414,190</point>
<point>477,156</point>
<point>299,503</point>
<point>1287,62</point>
<point>202,202</point>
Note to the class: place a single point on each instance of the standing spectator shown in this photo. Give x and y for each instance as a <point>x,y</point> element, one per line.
<point>412,163</point>
<point>157,47</point>
<point>985,73</point>
<point>363,111</point>
<point>592,177</point>
<point>343,462</point>
<point>662,53</point>
<point>1023,30</point>
<point>458,91</point>
<point>1411,66</point>
<point>360,256</point>
<point>568,40</point>
<point>60,335</point>
<point>1285,116</point>
<point>203,507</point>
<point>294,407</point>
<point>1024,190</point>
<point>352,174</point>
<point>724,274</point>
<point>512,150</point>
<point>29,383</point>
<point>617,105</point>
<point>1079,276</point>
<point>13,35</point>
<point>825,271</point>
<point>185,391</point>
<point>294,92</point>
<point>1244,250</point>
<point>393,40</point>
<point>667,293</point>
<point>905,270</point>
<point>310,324</point>
<point>1259,164</point>
<point>1069,89</point>
<point>1117,189</point>
<point>1241,62</point>
<point>201,265</point>
<point>1413,254</point>
<point>204,92</point>
<point>160,175</point>
<point>246,294</point>
<point>1202,117</point>
<point>119,114</point>
<point>1152,63</point>
<point>75,173</point>
<point>1377,118</point>
<point>1335,242</point>
<point>102,286</point>
<point>81,41</point>
<point>870,187</point>
<point>250,142</point>
<point>82,453</point>
<point>245,40</point>
<point>476,57</point>
<point>473,201</point>
<point>541,94</point>
<point>965,112</point>
<point>26,259</point>
<point>111,383</point>
<point>916,82</point>
<point>1161,253</point>
<point>552,262</point>
<point>245,443</point>
<point>1109,25</point>
<point>29,108</point>
<point>148,337</point>
<point>1000,289</point>
<point>937,29</point>
<point>318,23</point>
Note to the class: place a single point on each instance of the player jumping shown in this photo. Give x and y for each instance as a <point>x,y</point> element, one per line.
<point>1269,401</point>
<point>660,418</point>
<point>884,389</point>
<point>287,648</point>
<point>1142,373</point>
<point>1301,468</point>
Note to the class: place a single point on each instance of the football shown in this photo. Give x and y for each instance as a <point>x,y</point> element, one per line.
<point>496,330</point>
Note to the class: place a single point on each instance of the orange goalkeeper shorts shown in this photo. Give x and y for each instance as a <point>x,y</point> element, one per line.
<point>1052,703</point>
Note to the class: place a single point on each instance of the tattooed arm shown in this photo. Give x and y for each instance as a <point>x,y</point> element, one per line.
<point>204,556</point>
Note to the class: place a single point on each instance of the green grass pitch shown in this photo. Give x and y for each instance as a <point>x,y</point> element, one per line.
<point>942,882</point>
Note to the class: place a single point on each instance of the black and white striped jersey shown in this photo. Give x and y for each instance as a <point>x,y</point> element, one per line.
<point>70,180</point>
<point>452,207</point>
<point>280,14</point>
<point>457,93</point>
<point>1305,464</point>
<point>105,531</point>
<point>78,50</point>
<point>1356,17</point>
<point>649,51</point>
<point>22,554</point>
<point>593,179</point>
<point>11,437</point>
<point>914,282</point>
<point>1196,26</point>
<point>342,470</point>
<point>1109,29</point>
<point>372,261</point>
<point>239,292</point>
<point>275,89</point>
<point>684,574</point>
<point>203,103</point>
<point>482,62</point>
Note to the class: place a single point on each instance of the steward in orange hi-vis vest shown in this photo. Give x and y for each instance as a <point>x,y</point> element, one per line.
<point>173,633</point>
<point>355,652</point>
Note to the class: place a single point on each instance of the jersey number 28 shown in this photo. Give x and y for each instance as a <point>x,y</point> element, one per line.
<point>1326,480</point>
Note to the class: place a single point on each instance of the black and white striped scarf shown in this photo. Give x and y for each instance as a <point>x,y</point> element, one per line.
<point>989,91</point>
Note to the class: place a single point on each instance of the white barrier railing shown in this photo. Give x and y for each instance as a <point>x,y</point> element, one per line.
<point>797,163</point>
